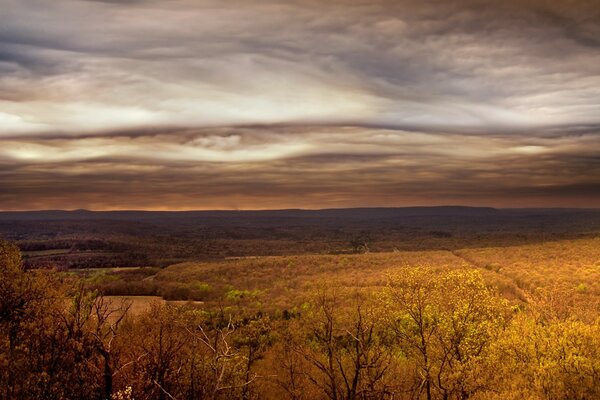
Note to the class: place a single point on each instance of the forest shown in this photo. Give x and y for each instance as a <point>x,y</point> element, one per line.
<point>517,322</point>
<point>299,200</point>
<point>84,239</point>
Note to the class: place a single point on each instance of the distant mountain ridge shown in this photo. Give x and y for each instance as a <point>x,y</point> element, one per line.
<point>352,213</point>
<point>142,215</point>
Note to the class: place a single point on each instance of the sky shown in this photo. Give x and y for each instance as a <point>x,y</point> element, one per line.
<point>263,104</point>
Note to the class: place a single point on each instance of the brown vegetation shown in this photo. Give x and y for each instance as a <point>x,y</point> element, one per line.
<point>368,326</point>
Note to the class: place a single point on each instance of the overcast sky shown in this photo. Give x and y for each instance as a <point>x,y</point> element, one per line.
<point>247,104</point>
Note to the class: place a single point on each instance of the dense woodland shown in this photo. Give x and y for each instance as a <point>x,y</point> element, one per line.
<point>85,239</point>
<point>448,330</point>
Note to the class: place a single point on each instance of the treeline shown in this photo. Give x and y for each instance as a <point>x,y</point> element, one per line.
<point>73,244</point>
<point>135,282</point>
<point>429,334</point>
<point>83,260</point>
<point>82,253</point>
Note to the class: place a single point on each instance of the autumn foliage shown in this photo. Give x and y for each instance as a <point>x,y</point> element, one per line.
<point>425,333</point>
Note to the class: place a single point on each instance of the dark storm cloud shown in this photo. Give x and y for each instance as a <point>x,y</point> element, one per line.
<point>211,104</point>
<point>300,167</point>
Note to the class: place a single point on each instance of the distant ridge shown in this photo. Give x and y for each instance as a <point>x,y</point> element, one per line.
<point>347,213</point>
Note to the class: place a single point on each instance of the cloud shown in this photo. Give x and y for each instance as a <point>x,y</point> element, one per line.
<point>462,64</point>
<point>211,104</point>
<point>298,166</point>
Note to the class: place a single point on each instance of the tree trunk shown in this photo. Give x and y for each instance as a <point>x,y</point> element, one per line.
<point>108,376</point>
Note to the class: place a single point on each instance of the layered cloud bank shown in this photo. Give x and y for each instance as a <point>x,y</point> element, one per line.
<point>290,166</point>
<point>267,104</point>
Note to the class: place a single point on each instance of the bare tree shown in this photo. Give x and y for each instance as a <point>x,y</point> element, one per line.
<point>107,319</point>
<point>348,354</point>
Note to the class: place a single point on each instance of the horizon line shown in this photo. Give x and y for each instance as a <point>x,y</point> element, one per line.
<point>294,209</point>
